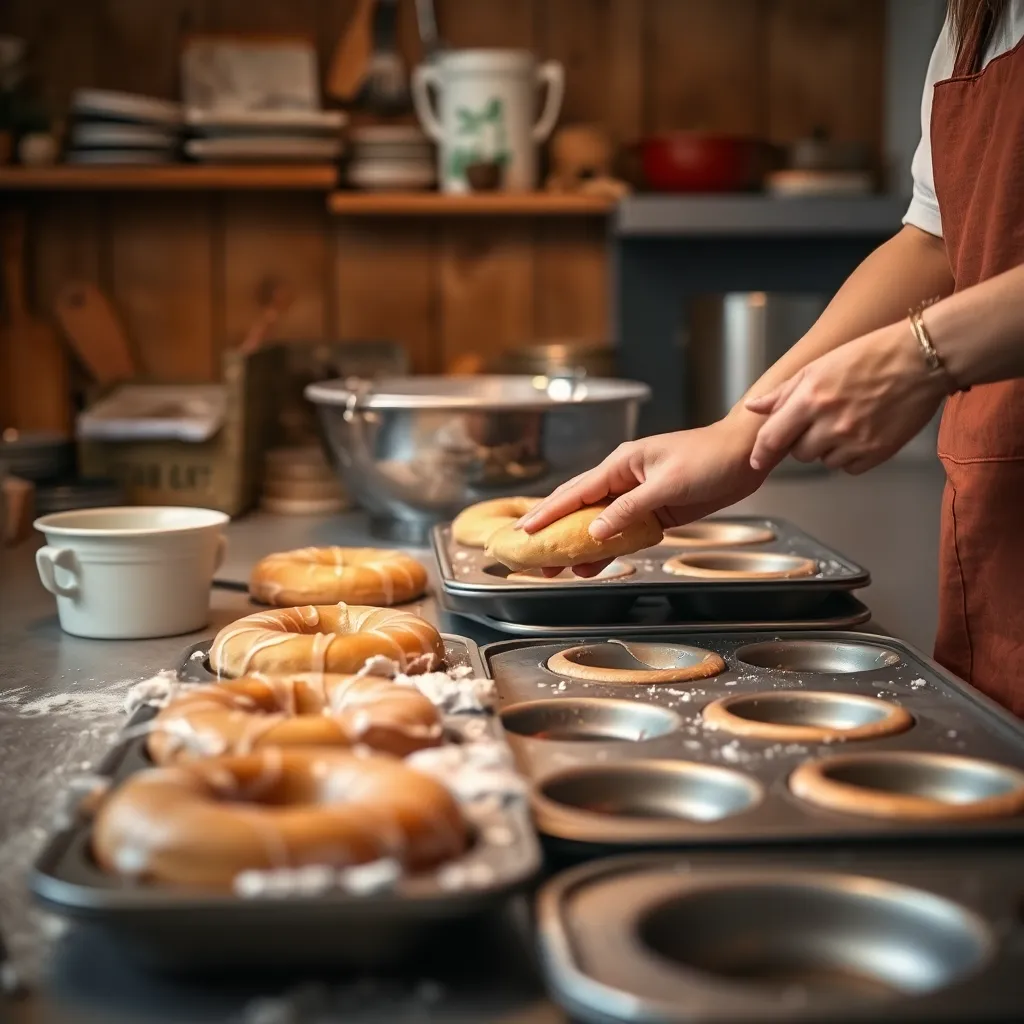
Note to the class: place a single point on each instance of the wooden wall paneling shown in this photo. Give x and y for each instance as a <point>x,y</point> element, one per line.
<point>287,16</point>
<point>572,281</point>
<point>486,23</point>
<point>576,32</point>
<point>35,387</point>
<point>825,68</point>
<point>286,241</point>
<point>625,74</point>
<point>162,276</point>
<point>385,286</point>
<point>704,66</point>
<point>139,44</point>
<point>66,244</point>
<point>486,287</point>
<point>62,40</point>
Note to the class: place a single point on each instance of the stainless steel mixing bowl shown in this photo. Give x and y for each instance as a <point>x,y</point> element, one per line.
<point>416,450</point>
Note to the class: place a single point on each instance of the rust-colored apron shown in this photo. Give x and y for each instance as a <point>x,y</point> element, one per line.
<point>977,133</point>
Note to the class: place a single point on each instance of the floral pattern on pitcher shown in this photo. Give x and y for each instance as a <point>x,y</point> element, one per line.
<point>481,135</point>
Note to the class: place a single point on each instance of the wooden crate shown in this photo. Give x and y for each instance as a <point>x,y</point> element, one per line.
<point>222,473</point>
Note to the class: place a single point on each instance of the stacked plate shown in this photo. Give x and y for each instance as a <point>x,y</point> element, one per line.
<point>299,481</point>
<point>264,136</point>
<point>123,128</point>
<point>391,158</point>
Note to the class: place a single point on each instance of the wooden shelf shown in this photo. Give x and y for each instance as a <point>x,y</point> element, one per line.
<point>169,177</point>
<point>487,204</point>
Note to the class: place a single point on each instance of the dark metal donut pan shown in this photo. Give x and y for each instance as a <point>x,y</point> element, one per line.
<point>196,930</point>
<point>750,938</point>
<point>617,766</point>
<point>654,615</point>
<point>474,583</point>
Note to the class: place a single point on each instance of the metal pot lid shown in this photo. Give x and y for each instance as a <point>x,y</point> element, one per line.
<point>478,392</point>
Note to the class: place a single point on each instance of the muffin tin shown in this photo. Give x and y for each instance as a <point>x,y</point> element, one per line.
<point>798,575</point>
<point>618,766</point>
<point>197,930</point>
<point>769,937</point>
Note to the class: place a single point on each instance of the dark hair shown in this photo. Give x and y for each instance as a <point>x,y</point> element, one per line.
<point>964,16</point>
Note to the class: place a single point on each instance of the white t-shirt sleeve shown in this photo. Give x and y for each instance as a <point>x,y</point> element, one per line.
<point>923,211</point>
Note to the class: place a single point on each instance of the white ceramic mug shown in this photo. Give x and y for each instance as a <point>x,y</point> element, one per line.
<point>486,102</point>
<point>131,573</point>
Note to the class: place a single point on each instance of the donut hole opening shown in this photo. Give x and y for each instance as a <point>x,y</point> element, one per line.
<point>828,714</point>
<point>832,936</point>
<point>657,790</point>
<point>825,656</point>
<point>949,780</point>
<point>595,720</point>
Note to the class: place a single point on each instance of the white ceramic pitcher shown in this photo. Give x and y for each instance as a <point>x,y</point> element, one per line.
<point>486,103</point>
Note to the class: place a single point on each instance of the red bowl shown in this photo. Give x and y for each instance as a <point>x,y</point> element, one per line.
<point>696,162</point>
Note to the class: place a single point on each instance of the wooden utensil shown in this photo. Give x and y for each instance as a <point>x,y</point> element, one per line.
<point>351,59</point>
<point>38,391</point>
<point>95,333</point>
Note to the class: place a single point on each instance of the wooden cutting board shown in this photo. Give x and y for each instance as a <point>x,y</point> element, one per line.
<point>95,332</point>
<point>351,58</point>
<point>31,355</point>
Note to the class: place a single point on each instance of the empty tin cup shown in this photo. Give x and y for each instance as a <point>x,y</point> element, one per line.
<point>806,716</point>
<point>825,656</point>
<point>641,799</point>
<point>837,937</point>
<point>911,785</point>
<point>581,719</point>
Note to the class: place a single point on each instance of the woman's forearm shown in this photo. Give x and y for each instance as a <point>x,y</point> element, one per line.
<point>979,332</point>
<point>907,270</point>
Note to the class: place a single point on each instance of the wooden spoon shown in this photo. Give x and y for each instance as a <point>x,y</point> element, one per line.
<point>95,333</point>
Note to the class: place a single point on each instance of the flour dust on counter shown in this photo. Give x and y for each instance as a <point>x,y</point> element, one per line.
<point>50,742</point>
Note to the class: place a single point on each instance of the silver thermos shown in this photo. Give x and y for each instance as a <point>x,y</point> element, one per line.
<point>733,338</point>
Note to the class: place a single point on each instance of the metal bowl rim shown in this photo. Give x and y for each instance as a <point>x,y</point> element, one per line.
<point>457,393</point>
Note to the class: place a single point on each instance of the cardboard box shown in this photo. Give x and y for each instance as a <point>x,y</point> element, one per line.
<point>222,473</point>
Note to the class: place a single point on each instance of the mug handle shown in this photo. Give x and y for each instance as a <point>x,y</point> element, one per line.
<point>552,74</point>
<point>423,77</point>
<point>47,558</point>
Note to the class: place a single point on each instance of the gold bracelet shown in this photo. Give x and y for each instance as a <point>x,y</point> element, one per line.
<point>931,356</point>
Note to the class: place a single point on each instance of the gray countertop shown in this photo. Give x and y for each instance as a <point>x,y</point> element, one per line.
<point>61,706</point>
<point>747,216</point>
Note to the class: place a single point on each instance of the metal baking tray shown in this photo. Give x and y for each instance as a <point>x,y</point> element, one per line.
<point>829,937</point>
<point>652,616</point>
<point>474,583</point>
<point>182,930</point>
<point>674,782</point>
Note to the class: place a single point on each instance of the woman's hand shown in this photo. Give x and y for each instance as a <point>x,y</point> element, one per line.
<point>852,408</point>
<point>679,477</point>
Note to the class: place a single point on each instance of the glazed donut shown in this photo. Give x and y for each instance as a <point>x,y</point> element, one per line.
<point>475,524</point>
<point>568,542</point>
<point>203,822</point>
<point>337,638</point>
<point>305,710</point>
<point>374,576</point>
